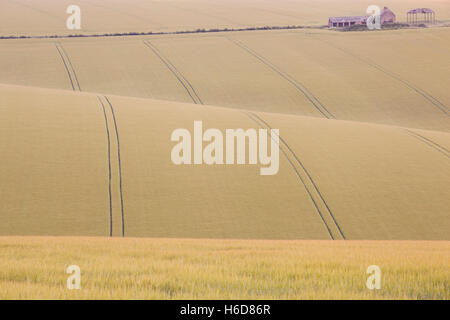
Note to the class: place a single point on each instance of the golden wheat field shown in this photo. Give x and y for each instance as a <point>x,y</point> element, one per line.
<point>86,175</point>
<point>367,182</point>
<point>221,269</point>
<point>319,74</point>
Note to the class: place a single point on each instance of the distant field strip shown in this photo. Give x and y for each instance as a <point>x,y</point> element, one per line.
<point>68,66</point>
<point>317,199</point>
<point>431,99</point>
<point>117,18</point>
<point>311,98</point>
<point>283,14</point>
<point>180,77</point>
<point>199,12</point>
<point>430,143</point>
<point>44,12</point>
<point>118,11</point>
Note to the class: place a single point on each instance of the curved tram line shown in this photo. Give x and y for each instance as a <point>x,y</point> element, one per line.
<point>65,65</point>
<point>73,78</point>
<point>109,112</point>
<point>299,86</point>
<point>71,66</point>
<point>180,77</point>
<point>108,136</point>
<point>317,199</point>
<point>431,99</point>
<point>430,143</point>
<point>119,163</point>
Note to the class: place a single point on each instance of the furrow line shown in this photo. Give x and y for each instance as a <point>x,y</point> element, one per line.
<point>119,164</point>
<point>180,77</point>
<point>299,86</point>
<point>253,117</point>
<point>427,96</point>
<point>108,136</point>
<point>311,180</point>
<point>70,65</point>
<point>429,142</point>
<point>65,65</point>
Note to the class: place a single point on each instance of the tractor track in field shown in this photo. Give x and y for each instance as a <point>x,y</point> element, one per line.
<point>108,136</point>
<point>309,177</point>
<point>71,66</point>
<point>430,143</point>
<point>174,70</point>
<point>65,66</point>
<point>73,78</point>
<point>318,105</point>
<point>427,96</point>
<point>119,164</point>
<point>108,112</point>
<point>316,202</point>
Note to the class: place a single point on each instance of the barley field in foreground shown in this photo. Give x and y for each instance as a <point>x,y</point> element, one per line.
<point>114,268</point>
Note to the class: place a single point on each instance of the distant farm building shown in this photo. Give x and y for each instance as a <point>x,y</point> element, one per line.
<point>386,16</point>
<point>421,15</point>
<point>342,22</point>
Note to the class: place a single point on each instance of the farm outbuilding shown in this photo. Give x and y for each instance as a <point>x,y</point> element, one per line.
<point>386,15</point>
<point>421,15</point>
<point>342,22</point>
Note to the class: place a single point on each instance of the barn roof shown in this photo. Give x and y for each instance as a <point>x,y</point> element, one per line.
<point>421,10</point>
<point>349,19</point>
<point>386,10</point>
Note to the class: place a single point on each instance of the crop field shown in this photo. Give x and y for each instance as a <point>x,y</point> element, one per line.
<point>408,199</point>
<point>86,175</point>
<point>293,72</point>
<point>221,269</point>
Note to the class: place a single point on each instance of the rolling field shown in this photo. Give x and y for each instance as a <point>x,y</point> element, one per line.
<point>368,182</point>
<point>221,269</point>
<point>86,175</point>
<point>320,74</point>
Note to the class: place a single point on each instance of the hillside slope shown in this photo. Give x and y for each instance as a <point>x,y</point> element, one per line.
<point>381,77</point>
<point>337,179</point>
